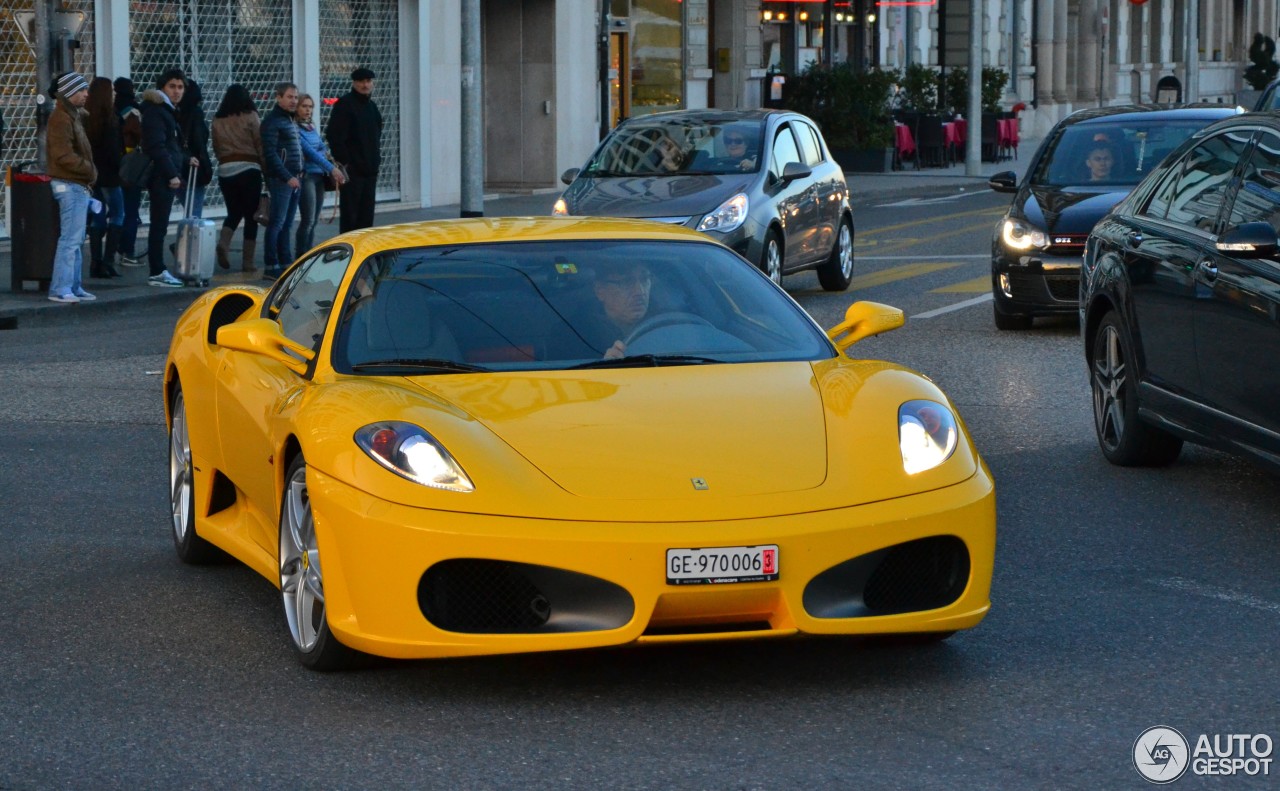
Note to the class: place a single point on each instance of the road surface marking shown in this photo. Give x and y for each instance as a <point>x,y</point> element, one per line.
<point>928,201</point>
<point>968,303</point>
<point>975,286</point>
<point>990,212</point>
<point>921,257</point>
<point>1220,594</point>
<point>896,273</point>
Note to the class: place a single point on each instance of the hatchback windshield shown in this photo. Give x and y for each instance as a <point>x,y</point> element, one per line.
<point>556,305</point>
<point>683,146</point>
<point>1118,153</point>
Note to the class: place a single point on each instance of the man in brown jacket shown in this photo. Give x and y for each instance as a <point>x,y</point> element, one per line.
<point>72,175</point>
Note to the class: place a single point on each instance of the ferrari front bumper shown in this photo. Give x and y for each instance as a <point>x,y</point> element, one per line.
<point>376,555</point>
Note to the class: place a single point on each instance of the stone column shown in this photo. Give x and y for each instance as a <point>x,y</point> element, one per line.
<point>1087,76</point>
<point>1044,55</point>
<point>1060,44</point>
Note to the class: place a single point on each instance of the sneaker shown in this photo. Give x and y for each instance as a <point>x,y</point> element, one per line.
<point>132,260</point>
<point>164,280</point>
<point>84,296</point>
<point>67,298</point>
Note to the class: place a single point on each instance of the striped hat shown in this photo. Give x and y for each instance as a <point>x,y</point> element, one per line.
<point>70,84</point>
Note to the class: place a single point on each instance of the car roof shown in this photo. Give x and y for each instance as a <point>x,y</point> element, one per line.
<point>710,115</point>
<point>1154,112</point>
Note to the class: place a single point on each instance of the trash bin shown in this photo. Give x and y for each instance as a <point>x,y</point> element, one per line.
<point>35,227</point>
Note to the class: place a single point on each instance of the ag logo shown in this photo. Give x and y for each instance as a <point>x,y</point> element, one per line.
<point>1160,754</point>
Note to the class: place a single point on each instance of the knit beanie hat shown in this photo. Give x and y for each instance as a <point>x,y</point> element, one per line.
<point>70,84</point>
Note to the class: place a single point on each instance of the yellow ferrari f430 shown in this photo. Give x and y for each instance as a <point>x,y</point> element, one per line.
<point>503,435</point>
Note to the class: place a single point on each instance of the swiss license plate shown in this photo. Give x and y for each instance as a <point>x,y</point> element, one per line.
<point>721,565</point>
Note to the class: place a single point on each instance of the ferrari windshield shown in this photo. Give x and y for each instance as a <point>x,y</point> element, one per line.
<point>678,146</point>
<point>1115,153</point>
<point>557,305</point>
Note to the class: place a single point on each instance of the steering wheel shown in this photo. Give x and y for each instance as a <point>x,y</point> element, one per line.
<point>660,320</point>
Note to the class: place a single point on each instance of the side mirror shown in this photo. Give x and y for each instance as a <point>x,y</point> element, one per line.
<point>795,170</point>
<point>1250,240</point>
<point>569,175</point>
<point>864,319</point>
<point>1006,181</point>
<point>263,336</point>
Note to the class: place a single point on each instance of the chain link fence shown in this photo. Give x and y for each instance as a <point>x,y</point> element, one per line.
<point>18,81</point>
<point>365,33</point>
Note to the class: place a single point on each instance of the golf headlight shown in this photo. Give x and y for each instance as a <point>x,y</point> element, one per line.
<point>728,216</point>
<point>927,435</point>
<point>410,452</point>
<point>559,208</point>
<point>1018,235</point>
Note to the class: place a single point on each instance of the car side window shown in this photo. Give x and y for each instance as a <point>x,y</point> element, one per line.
<point>784,151</point>
<point>1258,199</point>
<point>808,144</point>
<point>1194,196</point>
<point>302,306</point>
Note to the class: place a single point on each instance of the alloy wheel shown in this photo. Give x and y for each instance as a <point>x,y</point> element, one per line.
<point>1109,373</point>
<point>301,580</point>
<point>773,260</point>
<point>845,243</point>
<point>180,470</point>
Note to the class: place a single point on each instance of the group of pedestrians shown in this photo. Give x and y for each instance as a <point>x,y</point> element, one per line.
<point>95,125</point>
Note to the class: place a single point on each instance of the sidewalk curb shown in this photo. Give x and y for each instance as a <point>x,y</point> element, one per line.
<point>43,313</point>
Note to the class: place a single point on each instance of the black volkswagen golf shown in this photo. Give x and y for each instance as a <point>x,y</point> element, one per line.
<point>1180,302</point>
<point>1087,164</point>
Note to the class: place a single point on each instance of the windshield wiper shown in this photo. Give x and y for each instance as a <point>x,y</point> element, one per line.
<point>609,174</point>
<point>649,361</point>
<point>420,365</point>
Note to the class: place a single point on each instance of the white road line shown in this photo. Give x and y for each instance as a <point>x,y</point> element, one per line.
<point>1221,594</point>
<point>859,257</point>
<point>968,303</point>
<point>931,201</point>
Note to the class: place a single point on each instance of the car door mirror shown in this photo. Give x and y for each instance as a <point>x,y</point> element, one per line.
<point>864,319</point>
<point>1004,182</point>
<point>795,170</point>
<point>1249,240</point>
<point>569,175</point>
<point>263,336</point>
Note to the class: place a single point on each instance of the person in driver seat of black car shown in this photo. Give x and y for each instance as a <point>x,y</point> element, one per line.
<point>623,292</point>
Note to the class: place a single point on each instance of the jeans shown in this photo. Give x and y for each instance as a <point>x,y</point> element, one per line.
<point>284,205</point>
<point>197,201</point>
<point>113,207</point>
<point>132,219</point>
<point>310,202</point>
<point>162,198</point>
<point>68,261</point>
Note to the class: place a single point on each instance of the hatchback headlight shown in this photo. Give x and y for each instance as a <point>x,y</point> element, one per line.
<point>728,216</point>
<point>927,435</point>
<point>1018,235</point>
<point>559,208</point>
<point>410,452</point>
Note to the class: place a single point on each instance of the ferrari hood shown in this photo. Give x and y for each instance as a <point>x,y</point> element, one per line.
<point>646,434</point>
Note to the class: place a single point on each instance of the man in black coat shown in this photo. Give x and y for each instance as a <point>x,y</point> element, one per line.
<point>162,142</point>
<point>355,138</point>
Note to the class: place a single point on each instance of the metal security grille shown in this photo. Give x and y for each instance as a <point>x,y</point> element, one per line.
<point>18,81</point>
<point>356,34</point>
<point>217,43</point>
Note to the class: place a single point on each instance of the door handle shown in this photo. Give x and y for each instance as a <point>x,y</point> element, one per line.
<point>1134,238</point>
<point>1209,270</point>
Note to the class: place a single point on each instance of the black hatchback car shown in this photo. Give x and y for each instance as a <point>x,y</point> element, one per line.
<point>761,182</point>
<point>1180,302</point>
<point>1087,164</point>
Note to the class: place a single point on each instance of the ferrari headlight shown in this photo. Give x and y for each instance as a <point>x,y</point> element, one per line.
<point>410,452</point>
<point>560,208</point>
<point>728,216</point>
<point>927,435</point>
<point>1018,235</point>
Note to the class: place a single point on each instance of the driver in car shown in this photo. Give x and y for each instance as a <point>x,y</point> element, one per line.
<point>738,149</point>
<point>623,292</point>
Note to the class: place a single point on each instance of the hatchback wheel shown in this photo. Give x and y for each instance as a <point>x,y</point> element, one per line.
<point>302,579</point>
<point>190,547</point>
<point>771,258</point>
<point>1125,440</point>
<point>835,274</point>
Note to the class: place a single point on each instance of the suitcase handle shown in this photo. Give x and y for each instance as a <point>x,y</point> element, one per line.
<point>191,192</point>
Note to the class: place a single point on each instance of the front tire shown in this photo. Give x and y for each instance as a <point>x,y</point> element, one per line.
<point>837,272</point>
<point>190,547</point>
<point>771,257</point>
<point>1124,439</point>
<point>302,579</point>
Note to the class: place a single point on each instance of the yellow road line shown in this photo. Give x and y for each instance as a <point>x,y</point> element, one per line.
<point>890,246</point>
<point>975,286</point>
<point>992,212</point>
<point>893,274</point>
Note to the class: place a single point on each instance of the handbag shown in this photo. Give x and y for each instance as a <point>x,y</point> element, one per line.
<point>331,184</point>
<point>135,169</point>
<point>263,215</point>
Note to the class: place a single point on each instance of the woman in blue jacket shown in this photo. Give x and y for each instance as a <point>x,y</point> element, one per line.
<point>316,156</point>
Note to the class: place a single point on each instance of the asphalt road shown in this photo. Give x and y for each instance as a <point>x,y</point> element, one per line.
<point>1122,599</point>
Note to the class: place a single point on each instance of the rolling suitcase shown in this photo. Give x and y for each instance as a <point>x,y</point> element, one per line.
<point>197,239</point>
